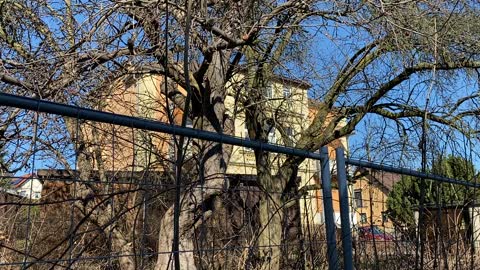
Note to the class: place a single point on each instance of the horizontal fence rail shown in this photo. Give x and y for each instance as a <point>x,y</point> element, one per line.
<point>151,125</point>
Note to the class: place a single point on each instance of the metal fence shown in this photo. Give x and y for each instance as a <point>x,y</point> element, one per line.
<point>133,203</point>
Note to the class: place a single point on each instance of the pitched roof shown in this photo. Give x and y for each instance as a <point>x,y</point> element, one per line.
<point>18,182</point>
<point>385,179</point>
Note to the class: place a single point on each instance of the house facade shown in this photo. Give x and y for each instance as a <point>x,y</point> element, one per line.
<point>27,187</point>
<point>317,204</point>
<point>139,150</point>
<point>289,101</point>
<point>127,149</point>
<point>319,217</point>
<point>369,193</point>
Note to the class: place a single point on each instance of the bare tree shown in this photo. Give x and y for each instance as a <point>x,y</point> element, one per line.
<point>377,58</point>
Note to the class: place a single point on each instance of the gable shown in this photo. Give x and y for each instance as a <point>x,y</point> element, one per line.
<point>384,181</point>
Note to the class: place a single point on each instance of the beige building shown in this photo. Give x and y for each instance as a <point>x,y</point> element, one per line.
<point>127,149</point>
<point>288,99</point>
<point>139,150</point>
<point>316,205</point>
<point>370,191</point>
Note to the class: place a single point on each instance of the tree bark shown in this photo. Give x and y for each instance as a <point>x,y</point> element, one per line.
<point>165,256</point>
<point>191,215</point>
<point>271,214</point>
<point>270,237</point>
<point>214,157</point>
<point>85,153</point>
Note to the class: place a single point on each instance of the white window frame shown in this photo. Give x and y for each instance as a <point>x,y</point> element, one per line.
<point>245,136</point>
<point>289,132</point>
<point>189,123</point>
<point>245,131</point>
<point>271,136</point>
<point>268,92</point>
<point>287,91</point>
<point>355,192</point>
<point>363,218</point>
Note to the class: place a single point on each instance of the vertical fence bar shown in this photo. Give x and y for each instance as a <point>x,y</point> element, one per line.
<point>328,210</point>
<point>344,209</point>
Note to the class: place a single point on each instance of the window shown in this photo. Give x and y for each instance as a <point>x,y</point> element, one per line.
<point>357,195</point>
<point>287,91</point>
<point>245,130</point>
<point>246,136</point>
<point>363,218</point>
<point>189,123</point>
<point>271,136</point>
<point>268,92</point>
<point>171,107</point>
<point>384,217</point>
<point>289,132</point>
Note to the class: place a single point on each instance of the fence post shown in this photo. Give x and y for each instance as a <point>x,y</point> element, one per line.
<point>344,209</point>
<point>328,210</point>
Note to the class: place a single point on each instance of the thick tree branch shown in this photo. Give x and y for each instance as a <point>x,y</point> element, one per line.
<point>14,81</point>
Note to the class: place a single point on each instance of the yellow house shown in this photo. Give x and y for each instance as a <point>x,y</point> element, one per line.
<point>289,97</point>
<point>137,150</point>
<point>127,149</point>
<point>144,97</point>
<point>370,191</point>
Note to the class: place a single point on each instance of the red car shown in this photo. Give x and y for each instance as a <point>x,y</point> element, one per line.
<point>373,232</point>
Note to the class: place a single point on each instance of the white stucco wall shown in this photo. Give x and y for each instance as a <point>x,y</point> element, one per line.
<point>30,189</point>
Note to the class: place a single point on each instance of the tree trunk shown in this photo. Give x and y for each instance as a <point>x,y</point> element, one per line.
<point>191,217</point>
<point>86,151</point>
<point>270,237</point>
<point>192,209</point>
<point>165,258</point>
<point>272,207</point>
<point>214,158</point>
<point>271,214</point>
<point>124,248</point>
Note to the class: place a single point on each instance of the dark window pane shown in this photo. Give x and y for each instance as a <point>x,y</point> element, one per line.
<point>358,198</point>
